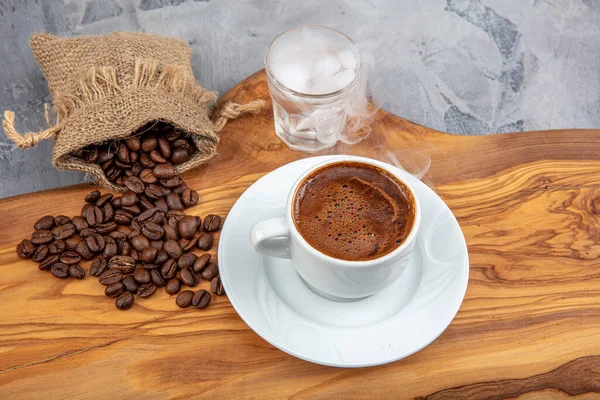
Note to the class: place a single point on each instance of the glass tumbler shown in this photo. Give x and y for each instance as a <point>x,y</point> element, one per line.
<point>316,80</point>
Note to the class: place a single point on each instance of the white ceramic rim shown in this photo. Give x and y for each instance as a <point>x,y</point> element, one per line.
<point>347,263</point>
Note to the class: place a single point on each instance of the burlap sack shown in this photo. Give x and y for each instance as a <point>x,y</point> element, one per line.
<point>106,87</point>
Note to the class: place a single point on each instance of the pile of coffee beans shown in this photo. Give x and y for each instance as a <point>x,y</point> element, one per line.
<point>157,143</point>
<point>141,240</point>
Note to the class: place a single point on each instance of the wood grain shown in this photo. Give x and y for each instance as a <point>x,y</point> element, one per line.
<point>529,328</point>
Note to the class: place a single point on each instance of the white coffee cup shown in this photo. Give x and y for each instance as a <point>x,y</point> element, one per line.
<point>331,277</point>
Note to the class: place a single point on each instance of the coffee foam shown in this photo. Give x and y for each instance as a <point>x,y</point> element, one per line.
<point>353,211</point>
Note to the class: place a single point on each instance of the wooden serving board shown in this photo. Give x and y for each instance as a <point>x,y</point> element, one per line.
<point>529,327</point>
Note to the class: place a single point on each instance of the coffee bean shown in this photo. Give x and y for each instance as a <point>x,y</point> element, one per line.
<point>133,210</point>
<point>86,232</point>
<point>164,147</point>
<point>149,144</point>
<point>128,198</point>
<point>110,276</point>
<point>181,143</point>
<point>141,275</point>
<point>40,253</point>
<point>164,171</point>
<point>116,202</point>
<point>157,278</point>
<point>133,253</point>
<point>84,209</point>
<point>105,154</point>
<point>25,249</point>
<point>106,228</point>
<point>70,258</point>
<point>124,248</point>
<point>165,191</point>
<point>110,250</point>
<point>123,167</point>
<point>124,301</point>
<point>169,269</point>
<point>157,157</point>
<point>161,257</point>
<point>205,241</point>
<point>179,189</point>
<point>95,242</point>
<point>187,226</point>
<point>136,228</point>
<point>201,299</point>
<point>180,155</point>
<point>170,232</point>
<point>91,155</point>
<point>199,223</point>
<point>63,232</point>
<point>108,212</point>
<point>153,192</point>
<point>48,263</point>
<point>130,284</point>
<point>187,260</point>
<point>201,263</point>
<point>188,244</point>
<point>75,271</point>
<point>188,277</point>
<point>98,267</point>
<point>174,201</point>
<point>92,197</point>
<point>145,204</point>
<point>41,236</point>
<point>152,215</point>
<point>61,220</point>
<point>146,290</point>
<point>60,270</point>
<point>57,247</point>
<point>125,264</point>
<point>173,249</point>
<point>80,223</point>
<point>153,231</point>
<point>72,243</point>
<point>112,173</point>
<point>157,244</point>
<point>184,299</point>
<point>133,143</point>
<point>122,217</point>
<point>134,184</point>
<point>172,136</point>
<point>123,153</point>
<point>148,254</point>
<point>114,289</point>
<point>212,223</point>
<point>171,182</point>
<point>84,250</point>
<point>161,204</point>
<point>105,198</point>
<point>216,286</point>
<point>45,223</point>
<point>210,271</point>
<point>173,286</point>
<point>146,162</point>
<point>93,216</point>
<point>139,242</point>
<point>189,197</point>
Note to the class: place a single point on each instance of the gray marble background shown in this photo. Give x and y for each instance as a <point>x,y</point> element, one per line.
<point>460,66</point>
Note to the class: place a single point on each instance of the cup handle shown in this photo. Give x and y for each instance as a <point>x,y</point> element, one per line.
<point>271,237</point>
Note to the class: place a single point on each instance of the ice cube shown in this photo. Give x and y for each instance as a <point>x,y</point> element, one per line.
<point>344,78</point>
<point>293,76</point>
<point>347,58</point>
<point>323,85</point>
<point>328,66</point>
<point>329,127</point>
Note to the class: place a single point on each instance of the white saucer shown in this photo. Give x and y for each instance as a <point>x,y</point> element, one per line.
<point>271,298</point>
